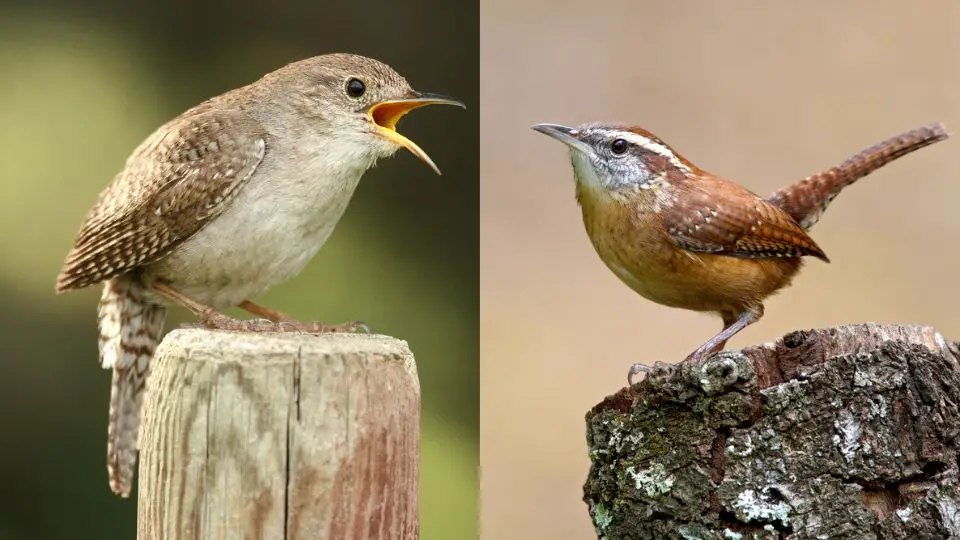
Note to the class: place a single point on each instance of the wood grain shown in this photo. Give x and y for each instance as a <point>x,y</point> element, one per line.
<point>280,436</point>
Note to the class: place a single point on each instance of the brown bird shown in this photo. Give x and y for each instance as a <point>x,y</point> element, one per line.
<point>225,201</point>
<point>686,238</point>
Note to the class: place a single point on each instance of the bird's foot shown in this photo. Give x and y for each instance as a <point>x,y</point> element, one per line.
<point>662,369</point>
<point>218,321</point>
<point>215,320</point>
<point>658,369</point>
<point>286,323</point>
<point>314,327</point>
<point>697,357</point>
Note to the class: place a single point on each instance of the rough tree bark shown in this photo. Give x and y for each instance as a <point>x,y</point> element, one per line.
<point>847,432</point>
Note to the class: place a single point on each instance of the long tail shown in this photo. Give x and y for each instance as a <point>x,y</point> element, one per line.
<point>130,328</point>
<point>806,200</point>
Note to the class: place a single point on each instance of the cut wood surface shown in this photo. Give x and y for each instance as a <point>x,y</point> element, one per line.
<point>846,432</point>
<point>280,436</point>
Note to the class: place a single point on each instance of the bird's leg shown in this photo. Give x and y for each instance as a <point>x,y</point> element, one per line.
<point>732,324</point>
<point>729,319</point>
<point>211,318</point>
<point>287,321</point>
<point>264,312</point>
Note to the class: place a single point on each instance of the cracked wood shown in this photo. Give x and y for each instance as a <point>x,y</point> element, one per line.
<point>290,436</point>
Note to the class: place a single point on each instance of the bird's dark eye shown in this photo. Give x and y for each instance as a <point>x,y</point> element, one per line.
<point>355,87</point>
<point>619,146</point>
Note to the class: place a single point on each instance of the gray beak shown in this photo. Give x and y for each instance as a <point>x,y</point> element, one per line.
<point>566,135</point>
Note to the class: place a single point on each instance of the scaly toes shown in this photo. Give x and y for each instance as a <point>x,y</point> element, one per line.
<point>222,322</point>
<point>218,321</point>
<point>322,328</point>
<point>657,369</point>
<point>353,327</point>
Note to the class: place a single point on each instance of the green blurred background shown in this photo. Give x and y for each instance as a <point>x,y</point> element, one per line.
<point>81,86</point>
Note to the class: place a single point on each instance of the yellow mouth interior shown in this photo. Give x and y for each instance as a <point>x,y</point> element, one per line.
<point>385,116</point>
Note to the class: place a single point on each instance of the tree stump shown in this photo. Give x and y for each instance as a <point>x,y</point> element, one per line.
<point>846,432</point>
<point>286,436</point>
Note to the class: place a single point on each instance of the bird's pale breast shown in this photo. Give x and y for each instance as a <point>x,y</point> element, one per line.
<point>267,234</point>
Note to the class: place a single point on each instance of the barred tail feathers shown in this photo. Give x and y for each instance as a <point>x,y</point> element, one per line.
<point>130,328</point>
<point>807,199</point>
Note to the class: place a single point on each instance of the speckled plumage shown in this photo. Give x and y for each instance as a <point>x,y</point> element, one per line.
<point>220,204</point>
<point>683,237</point>
<point>713,215</point>
<point>175,182</point>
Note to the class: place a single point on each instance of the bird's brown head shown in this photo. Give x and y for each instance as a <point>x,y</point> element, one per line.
<point>613,157</point>
<point>358,99</point>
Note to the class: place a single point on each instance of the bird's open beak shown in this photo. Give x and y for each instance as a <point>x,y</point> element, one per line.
<point>386,114</point>
<point>564,134</point>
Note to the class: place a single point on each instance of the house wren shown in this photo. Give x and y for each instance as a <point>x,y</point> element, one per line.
<point>225,201</point>
<point>683,237</point>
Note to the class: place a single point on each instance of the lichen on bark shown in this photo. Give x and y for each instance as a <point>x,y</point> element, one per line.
<point>847,432</point>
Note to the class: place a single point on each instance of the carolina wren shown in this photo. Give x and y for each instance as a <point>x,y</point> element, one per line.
<point>686,238</point>
<point>225,201</point>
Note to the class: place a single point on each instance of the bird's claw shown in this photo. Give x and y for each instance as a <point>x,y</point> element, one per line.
<point>353,327</point>
<point>361,327</point>
<point>656,369</point>
<point>635,369</point>
<point>288,326</point>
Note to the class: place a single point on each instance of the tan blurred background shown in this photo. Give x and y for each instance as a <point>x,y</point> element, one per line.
<point>82,84</point>
<point>758,92</point>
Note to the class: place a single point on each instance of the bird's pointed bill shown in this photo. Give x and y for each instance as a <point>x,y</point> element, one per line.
<point>564,134</point>
<point>386,114</point>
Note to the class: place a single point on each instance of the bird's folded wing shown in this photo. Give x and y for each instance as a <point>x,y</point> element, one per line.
<point>179,179</point>
<point>735,222</point>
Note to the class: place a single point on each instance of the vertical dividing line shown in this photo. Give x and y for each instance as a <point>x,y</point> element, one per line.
<point>293,414</point>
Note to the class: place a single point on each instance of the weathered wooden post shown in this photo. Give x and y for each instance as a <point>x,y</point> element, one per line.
<point>847,432</point>
<point>280,436</point>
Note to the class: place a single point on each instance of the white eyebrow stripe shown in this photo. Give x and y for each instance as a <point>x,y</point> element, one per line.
<point>646,143</point>
<point>651,146</point>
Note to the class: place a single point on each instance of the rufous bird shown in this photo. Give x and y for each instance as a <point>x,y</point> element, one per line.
<point>686,238</point>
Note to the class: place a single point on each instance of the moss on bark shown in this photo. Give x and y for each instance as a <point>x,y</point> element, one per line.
<point>847,432</point>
